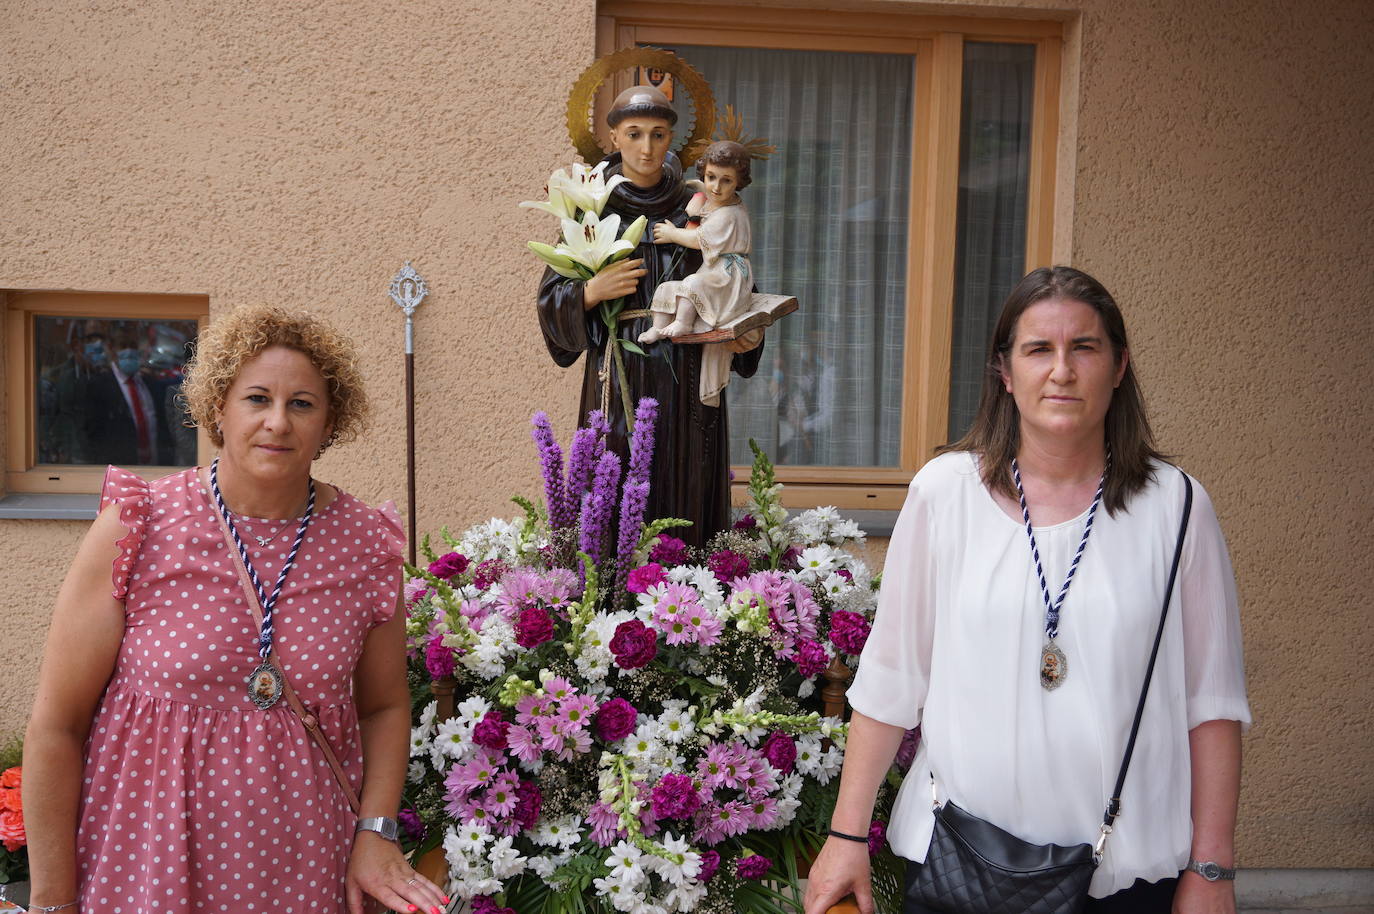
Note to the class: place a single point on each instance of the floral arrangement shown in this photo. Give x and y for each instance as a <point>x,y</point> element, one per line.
<point>14,856</point>
<point>588,244</point>
<point>638,727</point>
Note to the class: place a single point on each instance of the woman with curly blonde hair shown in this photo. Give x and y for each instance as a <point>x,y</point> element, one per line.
<point>171,759</point>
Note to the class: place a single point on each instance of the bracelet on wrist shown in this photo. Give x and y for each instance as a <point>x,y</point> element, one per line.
<point>839,834</point>
<point>48,909</point>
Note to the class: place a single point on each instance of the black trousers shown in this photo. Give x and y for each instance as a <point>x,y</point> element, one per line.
<point>1140,898</point>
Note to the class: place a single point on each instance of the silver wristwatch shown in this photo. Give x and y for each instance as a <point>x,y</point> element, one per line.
<point>1210,871</point>
<point>383,826</point>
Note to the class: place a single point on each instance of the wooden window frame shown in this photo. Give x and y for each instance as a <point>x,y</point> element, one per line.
<point>22,471</point>
<point>937,43</point>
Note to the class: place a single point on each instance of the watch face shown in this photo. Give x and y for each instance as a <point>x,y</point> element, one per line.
<point>1210,871</point>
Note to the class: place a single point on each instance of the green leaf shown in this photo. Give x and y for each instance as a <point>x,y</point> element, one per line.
<point>448,538</point>
<point>633,347</point>
<point>426,550</point>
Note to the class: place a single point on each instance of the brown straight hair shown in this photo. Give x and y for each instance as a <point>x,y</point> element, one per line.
<point>995,435</point>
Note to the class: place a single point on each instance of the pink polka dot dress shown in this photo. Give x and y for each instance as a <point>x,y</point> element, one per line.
<point>193,800</point>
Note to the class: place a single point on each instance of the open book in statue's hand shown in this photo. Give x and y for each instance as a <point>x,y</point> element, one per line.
<point>763,311</point>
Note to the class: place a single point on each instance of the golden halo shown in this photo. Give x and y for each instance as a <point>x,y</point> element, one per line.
<point>580,99</point>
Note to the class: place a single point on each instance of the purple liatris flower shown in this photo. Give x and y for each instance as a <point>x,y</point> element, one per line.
<point>670,551</point>
<point>675,797</point>
<point>551,462</point>
<point>877,837</point>
<point>490,732</point>
<point>849,631</point>
<point>587,447</point>
<point>439,660</point>
<point>727,565</point>
<point>642,441</point>
<point>633,645</point>
<point>644,577</point>
<point>811,658</point>
<point>448,566</point>
<point>710,862</point>
<point>754,866</point>
<point>598,504</point>
<point>634,498</point>
<point>533,627</point>
<point>615,720</point>
<point>781,751</point>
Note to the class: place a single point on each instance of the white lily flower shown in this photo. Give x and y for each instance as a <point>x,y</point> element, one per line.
<point>593,242</point>
<point>561,204</point>
<point>558,261</point>
<point>589,188</point>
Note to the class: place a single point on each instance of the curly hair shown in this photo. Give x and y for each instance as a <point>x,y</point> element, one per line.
<point>224,347</point>
<point>727,154</point>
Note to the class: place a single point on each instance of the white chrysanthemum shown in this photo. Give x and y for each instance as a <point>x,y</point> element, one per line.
<point>563,832</point>
<point>495,643</point>
<point>816,562</point>
<point>594,660</point>
<point>542,867</point>
<point>687,896</point>
<point>676,723</point>
<point>428,715</point>
<point>809,754</point>
<point>473,710</point>
<point>835,586</point>
<point>624,864</point>
<point>831,762</point>
<point>496,539</point>
<point>807,688</point>
<point>452,739</point>
<point>647,906</point>
<point>622,897</point>
<point>505,860</point>
<point>466,840</point>
<point>415,772</point>
<point>846,530</point>
<point>676,873</point>
<point>419,741</point>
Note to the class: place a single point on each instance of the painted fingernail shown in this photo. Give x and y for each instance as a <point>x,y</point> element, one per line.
<point>445,898</point>
<point>411,908</point>
<point>435,910</point>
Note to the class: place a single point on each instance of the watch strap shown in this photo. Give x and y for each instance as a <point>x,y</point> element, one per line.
<point>387,828</point>
<point>1210,871</point>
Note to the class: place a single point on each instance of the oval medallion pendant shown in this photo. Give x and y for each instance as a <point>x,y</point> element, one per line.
<point>1054,666</point>
<point>265,685</point>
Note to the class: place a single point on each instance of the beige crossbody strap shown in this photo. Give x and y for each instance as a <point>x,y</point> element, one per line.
<point>311,722</point>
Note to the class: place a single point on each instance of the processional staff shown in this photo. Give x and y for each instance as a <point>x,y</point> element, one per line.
<point>408,289</point>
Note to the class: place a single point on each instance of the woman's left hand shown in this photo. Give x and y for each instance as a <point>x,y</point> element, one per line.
<point>1196,895</point>
<point>378,869</point>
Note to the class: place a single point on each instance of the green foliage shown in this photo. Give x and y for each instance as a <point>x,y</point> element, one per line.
<point>12,754</point>
<point>449,538</point>
<point>427,550</point>
<point>656,527</point>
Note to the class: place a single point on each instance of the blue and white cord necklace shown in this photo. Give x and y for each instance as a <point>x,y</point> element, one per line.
<point>1054,665</point>
<point>265,683</point>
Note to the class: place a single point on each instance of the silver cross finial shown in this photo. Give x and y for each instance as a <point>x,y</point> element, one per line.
<point>408,289</point>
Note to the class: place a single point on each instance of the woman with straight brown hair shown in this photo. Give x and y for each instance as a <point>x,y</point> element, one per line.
<point>1015,627</point>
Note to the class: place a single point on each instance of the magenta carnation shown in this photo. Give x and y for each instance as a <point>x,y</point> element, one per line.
<point>533,627</point>
<point>485,904</point>
<point>439,660</point>
<point>409,820</point>
<point>615,720</point>
<point>675,797</point>
<point>528,802</point>
<point>634,645</point>
<point>849,631</point>
<point>490,732</point>
<point>727,565</point>
<point>781,751</point>
<point>488,573</point>
<point>791,559</point>
<point>877,837</point>
<point>811,657</point>
<point>448,566</point>
<point>644,577</point>
<point>746,522</point>
<point>670,551</point>
<point>755,866</point>
<point>710,862</point>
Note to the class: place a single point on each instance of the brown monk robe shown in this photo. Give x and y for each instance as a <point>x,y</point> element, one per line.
<point>691,465</point>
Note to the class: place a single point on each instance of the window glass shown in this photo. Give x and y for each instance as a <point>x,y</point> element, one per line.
<point>829,219</point>
<point>994,176</point>
<point>106,391</point>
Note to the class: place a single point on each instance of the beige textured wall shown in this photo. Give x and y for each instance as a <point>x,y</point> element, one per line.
<point>1216,176</point>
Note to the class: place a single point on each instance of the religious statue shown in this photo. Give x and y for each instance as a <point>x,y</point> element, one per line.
<point>722,289</point>
<point>691,465</point>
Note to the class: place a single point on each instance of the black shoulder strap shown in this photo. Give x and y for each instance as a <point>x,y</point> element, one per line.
<point>1114,806</point>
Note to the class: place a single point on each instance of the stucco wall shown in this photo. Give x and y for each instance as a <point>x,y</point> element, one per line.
<point>1215,174</point>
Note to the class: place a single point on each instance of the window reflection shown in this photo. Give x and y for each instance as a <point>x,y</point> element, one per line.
<point>107,391</point>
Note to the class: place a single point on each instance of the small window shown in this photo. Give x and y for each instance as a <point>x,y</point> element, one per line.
<point>95,379</point>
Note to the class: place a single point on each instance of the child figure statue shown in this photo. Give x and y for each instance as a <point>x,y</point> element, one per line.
<point>721,289</point>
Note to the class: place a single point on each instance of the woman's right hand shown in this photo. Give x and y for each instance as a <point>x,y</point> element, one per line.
<point>841,868</point>
<point>616,281</point>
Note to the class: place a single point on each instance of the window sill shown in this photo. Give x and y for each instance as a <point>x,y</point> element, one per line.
<point>874,524</point>
<point>48,506</point>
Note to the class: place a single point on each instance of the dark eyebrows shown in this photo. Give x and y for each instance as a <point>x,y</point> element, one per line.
<point>1031,344</point>
<point>296,393</point>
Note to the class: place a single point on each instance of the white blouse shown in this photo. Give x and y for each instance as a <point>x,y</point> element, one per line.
<point>956,648</point>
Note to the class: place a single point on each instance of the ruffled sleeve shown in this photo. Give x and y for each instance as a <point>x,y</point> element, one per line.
<point>384,575</point>
<point>130,492</point>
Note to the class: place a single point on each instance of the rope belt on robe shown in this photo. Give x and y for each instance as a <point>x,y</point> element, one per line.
<point>605,373</point>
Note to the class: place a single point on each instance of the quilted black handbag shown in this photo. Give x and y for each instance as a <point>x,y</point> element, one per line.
<point>974,867</point>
